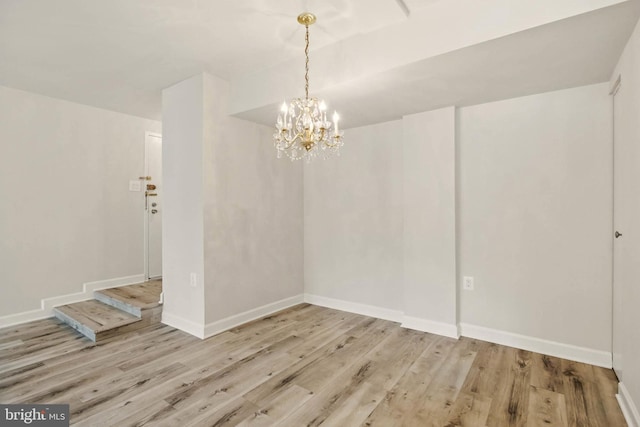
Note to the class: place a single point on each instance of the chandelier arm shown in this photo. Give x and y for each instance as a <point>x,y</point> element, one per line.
<point>289,142</point>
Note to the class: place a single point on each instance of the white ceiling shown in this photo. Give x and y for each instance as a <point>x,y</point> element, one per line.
<point>573,52</point>
<point>120,54</point>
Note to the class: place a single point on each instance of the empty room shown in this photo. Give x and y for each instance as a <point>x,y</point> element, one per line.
<point>301,213</point>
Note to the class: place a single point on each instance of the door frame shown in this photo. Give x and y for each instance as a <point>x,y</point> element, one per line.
<point>147,136</point>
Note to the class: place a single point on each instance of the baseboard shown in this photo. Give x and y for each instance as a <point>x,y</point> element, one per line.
<point>227,323</point>
<point>87,291</point>
<point>409,322</point>
<point>552,348</point>
<point>185,325</point>
<point>23,317</point>
<point>433,327</point>
<point>629,408</point>
<point>354,307</point>
<point>47,304</point>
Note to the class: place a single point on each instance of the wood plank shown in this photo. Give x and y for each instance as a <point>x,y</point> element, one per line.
<point>393,357</point>
<point>273,412</point>
<point>28,331</point>
<point>606,387</point>
<point>435,404</point>
<point>84,355</point>
<point>546,372</point>
<point>91,318</point>
<point>93,363</point>
<point>469,410</point>
<point>132,299</point>
<point>585,407</point>
<point>406,395</point>
<point>102,399</point>
<point>306,365</point>
<point>546,408</point>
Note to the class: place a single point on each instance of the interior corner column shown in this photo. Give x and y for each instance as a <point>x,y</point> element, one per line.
<point>182,226</point>
<point>429,233</point>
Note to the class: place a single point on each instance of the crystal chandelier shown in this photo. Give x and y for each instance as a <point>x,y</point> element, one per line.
<point>302,129</point>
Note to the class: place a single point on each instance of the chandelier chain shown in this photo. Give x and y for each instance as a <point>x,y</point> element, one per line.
<point>306,63</point>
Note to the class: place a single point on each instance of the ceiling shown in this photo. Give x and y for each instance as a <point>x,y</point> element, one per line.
<point>120,54</point>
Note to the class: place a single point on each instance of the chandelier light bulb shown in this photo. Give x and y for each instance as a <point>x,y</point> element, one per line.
<point>284,110</point>
<point>322,106</point>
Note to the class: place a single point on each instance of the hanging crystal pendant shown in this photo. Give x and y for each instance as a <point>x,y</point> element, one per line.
<point>302,128</point>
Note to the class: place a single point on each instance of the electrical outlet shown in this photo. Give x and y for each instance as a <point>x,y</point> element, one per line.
<point>467,283</point>
<point>193,280</point>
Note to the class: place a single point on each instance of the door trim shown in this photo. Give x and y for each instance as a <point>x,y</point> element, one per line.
<point>147,136</point>
<point>613,92</point>
<point>616,86</point>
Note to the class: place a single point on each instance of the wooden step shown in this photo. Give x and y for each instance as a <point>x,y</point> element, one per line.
<point>115,310</point>
<point>96,320</point>
<point>136,299</point>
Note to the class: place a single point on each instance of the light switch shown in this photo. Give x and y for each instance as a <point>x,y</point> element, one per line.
<point>134,185</point>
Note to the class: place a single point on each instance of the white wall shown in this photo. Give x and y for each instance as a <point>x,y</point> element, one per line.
<point>380,223</point>
<point>626,290</point>
<point>353,220</point>
<point>534,186</point>
<point>66,215</point>
<point>233,213</point>
<point>253,236</point>
<point>535,215</point>
<point>183,202</point>
<point>429,211</point>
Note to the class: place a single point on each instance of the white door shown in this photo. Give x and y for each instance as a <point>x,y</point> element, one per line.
<point>153,205</point>
<point>626,217</point>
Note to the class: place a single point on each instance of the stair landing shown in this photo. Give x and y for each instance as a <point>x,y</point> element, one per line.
<point>133,298</point>
<point>114,311</point>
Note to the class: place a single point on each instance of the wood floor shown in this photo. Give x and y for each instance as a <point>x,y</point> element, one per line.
<point>306,366</point>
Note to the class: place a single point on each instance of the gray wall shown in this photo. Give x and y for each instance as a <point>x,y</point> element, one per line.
<point>429,231</point>
<point>253,250</point>
<point>535,215</point>
<point>233,212</point>
<point>66,216</point>
<point>353,220</point>
<point>533,220</point>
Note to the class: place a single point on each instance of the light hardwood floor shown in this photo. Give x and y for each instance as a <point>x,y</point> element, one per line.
<point>306,366</point>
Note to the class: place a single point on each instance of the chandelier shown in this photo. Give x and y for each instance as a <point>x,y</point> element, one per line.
<point>302,128</point>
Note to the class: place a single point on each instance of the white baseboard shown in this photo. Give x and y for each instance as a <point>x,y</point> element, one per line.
<point>227,323</point>
<point>629,408</point>
<point>87,291</point>
<point>409,322</point>
<point>47,304</point>
<point>433,327</point>
<point>552,348</point>
<point>354,307</point>
<point>23,317</point>
<point>185,325</point>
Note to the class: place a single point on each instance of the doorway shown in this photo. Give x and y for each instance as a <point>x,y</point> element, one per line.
<point>626,208</point>
<point>153,206</point>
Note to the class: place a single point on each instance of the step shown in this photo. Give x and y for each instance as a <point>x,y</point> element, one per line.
<point>138,300</point>
<point>96,320</point>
